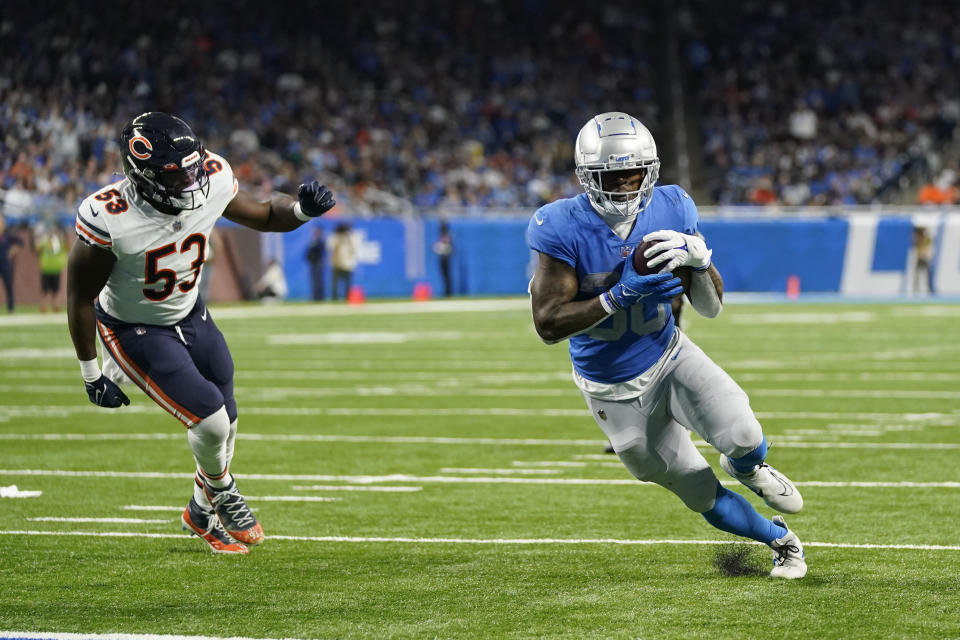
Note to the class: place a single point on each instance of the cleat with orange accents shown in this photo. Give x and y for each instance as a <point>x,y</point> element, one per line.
<point>205,525</point>
<point>235,516</point>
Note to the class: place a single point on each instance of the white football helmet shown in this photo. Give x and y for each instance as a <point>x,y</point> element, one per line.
<point>615,141</point>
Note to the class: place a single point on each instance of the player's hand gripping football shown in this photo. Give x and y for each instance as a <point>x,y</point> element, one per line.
<point>315,199</point>
<point>675,249</point>
<point>632,288</point>
<point>104,393</point>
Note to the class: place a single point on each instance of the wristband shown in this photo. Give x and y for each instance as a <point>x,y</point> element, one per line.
<point>90,370</point>
<point>701,269</point>
<point>608,304</point>
<point>299,214</point>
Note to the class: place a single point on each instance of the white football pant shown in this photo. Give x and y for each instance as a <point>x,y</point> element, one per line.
<point>651,433</point>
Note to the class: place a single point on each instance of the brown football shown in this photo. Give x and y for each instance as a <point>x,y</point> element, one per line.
<point>640,264</point>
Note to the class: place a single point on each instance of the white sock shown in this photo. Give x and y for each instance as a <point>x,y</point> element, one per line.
<point>208,441</point>
<point>199,494</point>
<point>230,440</point>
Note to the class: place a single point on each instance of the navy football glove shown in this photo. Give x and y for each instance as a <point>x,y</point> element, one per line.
<point>632,288</point>
<point>315,199</point>
<point>104,393</point>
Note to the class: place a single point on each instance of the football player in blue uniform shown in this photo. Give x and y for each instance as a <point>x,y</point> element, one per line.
<point>645,382</point>
<point>132,280</point>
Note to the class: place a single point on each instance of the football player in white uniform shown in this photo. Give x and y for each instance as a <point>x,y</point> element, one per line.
<point>132,280</point>
<point>645,382</point>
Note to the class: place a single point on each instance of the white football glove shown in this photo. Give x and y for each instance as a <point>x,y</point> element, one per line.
<point>675,249</point>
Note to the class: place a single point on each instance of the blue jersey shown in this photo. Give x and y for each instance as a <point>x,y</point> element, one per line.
<point>630,341</point>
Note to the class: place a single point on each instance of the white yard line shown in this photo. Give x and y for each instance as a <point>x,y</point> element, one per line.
<point>101,520</point>
<point>450,479</point>
<point>482,541</point>
<point>892,394</point>
<point>311,310</point>
<point>780,440</point>
<point>334,487</point>
<point>290,499</point>
<point>47,411</point>
<point>62,411</point>
<point>504,472</point>
<point>844,376</point>
<point>424,390</point>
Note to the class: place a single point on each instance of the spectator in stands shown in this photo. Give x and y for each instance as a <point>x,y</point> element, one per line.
<point>835,113</point>
<point>416,107</point>
<point>763,192</point>
<point>940,191</point>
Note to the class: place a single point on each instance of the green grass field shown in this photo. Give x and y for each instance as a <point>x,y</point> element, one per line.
<point>430,471</point>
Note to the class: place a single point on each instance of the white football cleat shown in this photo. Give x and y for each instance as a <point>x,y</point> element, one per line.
<point>768,483</point>
<point>788,559</point>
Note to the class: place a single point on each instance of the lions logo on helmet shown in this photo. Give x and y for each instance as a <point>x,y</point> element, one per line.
<point>615,141</point>
<point>163,159</point>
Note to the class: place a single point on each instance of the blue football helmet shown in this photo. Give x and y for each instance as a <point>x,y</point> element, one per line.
<point>164,160</point>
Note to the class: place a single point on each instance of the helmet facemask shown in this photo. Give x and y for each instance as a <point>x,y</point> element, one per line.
<point>183,189</point>
<point>598,180</point>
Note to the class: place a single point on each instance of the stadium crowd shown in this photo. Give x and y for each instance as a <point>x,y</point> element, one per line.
<point>823,102</point>
<point>415,108</point>
<point>455,105</point>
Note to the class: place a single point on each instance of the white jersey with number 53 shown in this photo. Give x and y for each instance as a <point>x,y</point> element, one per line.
<point>159,256</point>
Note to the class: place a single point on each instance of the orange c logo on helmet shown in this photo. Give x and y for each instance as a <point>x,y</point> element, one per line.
<point>146,143</point>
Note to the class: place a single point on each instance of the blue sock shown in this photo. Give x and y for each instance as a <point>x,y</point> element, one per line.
<point>733,514</point>
<point>745,464</point>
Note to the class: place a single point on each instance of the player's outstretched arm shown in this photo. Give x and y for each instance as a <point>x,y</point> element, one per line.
<point>88,269</point>
<point>281,212</point>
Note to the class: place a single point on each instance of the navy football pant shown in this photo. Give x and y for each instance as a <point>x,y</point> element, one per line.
<point>185,368</point>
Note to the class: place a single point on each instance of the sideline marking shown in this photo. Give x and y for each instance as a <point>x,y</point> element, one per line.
<point>482,541</point>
